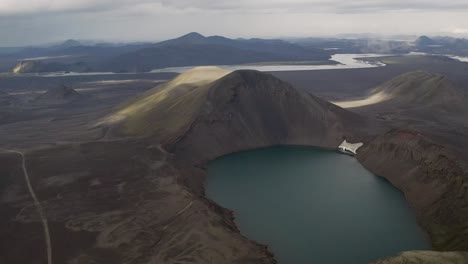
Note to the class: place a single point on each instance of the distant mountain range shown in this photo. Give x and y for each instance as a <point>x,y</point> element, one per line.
<point>194,49</point>
<point>442,45</point>
<point>64,56</point>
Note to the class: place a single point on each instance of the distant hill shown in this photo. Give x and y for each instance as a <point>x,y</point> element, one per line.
<point>195,49</point>
<point>424,41</point>
<point>422,89</point>
<point>70,55</point>
<point>58,95</point>
<point>442,45</point>
<point>413,90</point>
<point>356,45</point>
<point>69,43</point>
<point>192,49</point>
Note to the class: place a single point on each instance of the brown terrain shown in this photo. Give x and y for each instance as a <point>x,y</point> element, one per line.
<point>125,184</point>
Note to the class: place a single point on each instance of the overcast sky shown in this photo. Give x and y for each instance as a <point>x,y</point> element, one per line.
<point>25,22</point>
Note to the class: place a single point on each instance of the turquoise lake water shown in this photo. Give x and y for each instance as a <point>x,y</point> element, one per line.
<point>314,206</point>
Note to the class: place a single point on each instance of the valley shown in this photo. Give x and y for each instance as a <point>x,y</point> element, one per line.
<point>233,132</point>
<point>118,162</point>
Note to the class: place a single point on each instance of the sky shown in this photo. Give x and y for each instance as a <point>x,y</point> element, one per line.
<point>27,22</point>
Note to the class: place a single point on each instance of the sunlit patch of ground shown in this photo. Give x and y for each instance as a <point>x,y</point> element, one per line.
<point>28,92</point>
<point>462,59</point>
<point>108,82</point>
<point>202,75</point>
<point>103,85</point>
<point>48,57</point>
<point>195,76</point>
<point>373,99</point>
<point>158,106</point>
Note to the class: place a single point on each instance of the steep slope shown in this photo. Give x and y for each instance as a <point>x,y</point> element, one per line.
<point>433,178</point>
<point>166,110</point>
<point>423,155</point>
<point>255,110</point>
<point>250,108</point>
<point>247,109</point>
<point>58,95</point>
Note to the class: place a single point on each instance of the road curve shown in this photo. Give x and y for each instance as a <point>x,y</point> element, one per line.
<point>38,205</point>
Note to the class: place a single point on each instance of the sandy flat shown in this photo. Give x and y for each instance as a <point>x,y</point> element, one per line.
<point>373,99</point>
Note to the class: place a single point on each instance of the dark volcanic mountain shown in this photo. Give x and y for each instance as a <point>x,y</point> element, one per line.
<point>207,113</point>
<point>194,49</point>
<point>58,95</point>
<point>252,108</point>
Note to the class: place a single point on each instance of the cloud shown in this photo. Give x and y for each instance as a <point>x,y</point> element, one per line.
<point>25,22</point>
<point>460,31</point>
<point>17,7</point>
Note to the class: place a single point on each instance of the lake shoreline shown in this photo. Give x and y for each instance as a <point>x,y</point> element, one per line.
<point>302,151</point>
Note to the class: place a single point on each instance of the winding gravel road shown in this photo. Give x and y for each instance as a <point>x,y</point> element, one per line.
<point>37,204</point>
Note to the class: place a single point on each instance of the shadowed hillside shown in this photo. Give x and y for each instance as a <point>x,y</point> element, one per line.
<point>255,110</point>
<point>252,109</point>
<point>412,90</point>
<point>417,89</point>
